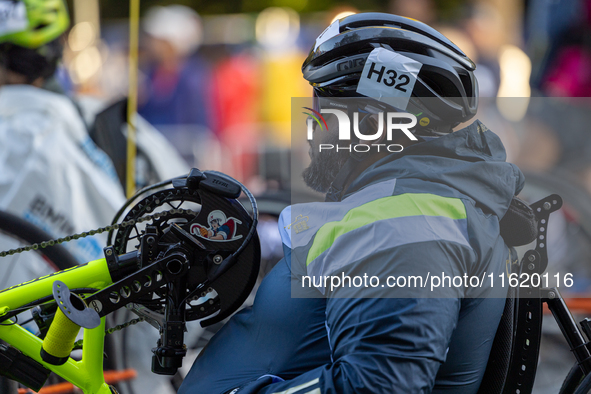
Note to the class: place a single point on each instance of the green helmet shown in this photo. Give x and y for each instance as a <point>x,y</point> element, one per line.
<point>32,23</point>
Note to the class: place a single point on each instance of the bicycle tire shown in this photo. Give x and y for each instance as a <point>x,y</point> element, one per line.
<point>585,386</point>
<point>572,380</point>
<point>26,233</point>
<point>57,256</point>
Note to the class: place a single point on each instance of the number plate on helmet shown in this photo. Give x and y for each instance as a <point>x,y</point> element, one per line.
<point>389,77</point>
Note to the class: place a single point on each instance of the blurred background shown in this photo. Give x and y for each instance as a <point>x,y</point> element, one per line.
<point>217,77</point>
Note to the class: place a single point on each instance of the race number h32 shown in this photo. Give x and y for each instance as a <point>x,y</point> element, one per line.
<point>388,77</point>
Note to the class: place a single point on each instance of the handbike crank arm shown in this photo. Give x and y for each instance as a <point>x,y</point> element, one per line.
<point>73,312</point>
<point>131,288</point>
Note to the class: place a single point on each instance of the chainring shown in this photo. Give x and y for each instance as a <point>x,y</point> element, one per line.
<point>189,210</point>
<point>127,238</point>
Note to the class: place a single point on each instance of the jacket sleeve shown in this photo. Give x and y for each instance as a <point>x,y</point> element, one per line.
<point>384,345</point>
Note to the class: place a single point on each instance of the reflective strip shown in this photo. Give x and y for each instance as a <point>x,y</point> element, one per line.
<point>292,390</point>
<point>317,214</point>
<point>315,391</point>
<point>403,205</point>
<point>282,223</point>
<point>369,240</point>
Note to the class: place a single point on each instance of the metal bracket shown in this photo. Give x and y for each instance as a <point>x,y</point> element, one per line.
<point>568,326</point>
<point>73,307</point>
<point>133,287</point>
<point>145,281</point>
<point>542,209</point>
<point>527,330</point>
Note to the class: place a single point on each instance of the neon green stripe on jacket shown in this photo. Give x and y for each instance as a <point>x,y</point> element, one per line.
<point>402,205</point>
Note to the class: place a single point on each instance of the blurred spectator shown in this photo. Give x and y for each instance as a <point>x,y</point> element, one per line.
<point>546,25</point>
<point>485,26</point>
<point>277,31</point>
<point>51,172</point>
<point>569,72</point>
<point>236,111</point>
<point>176,89</point>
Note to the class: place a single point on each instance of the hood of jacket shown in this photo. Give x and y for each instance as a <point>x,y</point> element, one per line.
<point>470,160</point>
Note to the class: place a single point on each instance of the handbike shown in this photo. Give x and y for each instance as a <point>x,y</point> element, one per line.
<point>167,264</point>
<point>513,361</point>
<point>178,268</point>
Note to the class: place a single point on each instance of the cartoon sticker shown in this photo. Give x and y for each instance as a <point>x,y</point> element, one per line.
<point>389,77</point>
<point>221,228</point>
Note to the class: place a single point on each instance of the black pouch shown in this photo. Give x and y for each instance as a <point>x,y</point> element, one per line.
<point>519,225</point>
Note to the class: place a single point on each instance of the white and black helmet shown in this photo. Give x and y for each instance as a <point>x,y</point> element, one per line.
<point>444,91</point>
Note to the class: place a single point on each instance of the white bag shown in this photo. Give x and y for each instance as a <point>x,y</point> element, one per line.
<point>51,173</point>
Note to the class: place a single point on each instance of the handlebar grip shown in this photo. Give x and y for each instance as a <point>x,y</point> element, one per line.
<point>60,338</point>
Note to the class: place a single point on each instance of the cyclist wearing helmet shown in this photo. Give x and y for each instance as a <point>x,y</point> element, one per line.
<point>29,39</point>
<point>51,173</point>
<point>435,206</point>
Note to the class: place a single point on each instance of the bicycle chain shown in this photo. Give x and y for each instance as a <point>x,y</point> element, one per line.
<point>78,344</point>
<point>99,230</point>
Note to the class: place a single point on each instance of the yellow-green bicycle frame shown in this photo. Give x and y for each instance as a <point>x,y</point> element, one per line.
<point>86,374</point>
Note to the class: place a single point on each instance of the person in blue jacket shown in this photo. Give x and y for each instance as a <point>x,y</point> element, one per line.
<point>431,209</point>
